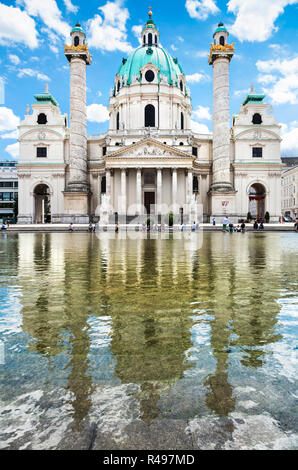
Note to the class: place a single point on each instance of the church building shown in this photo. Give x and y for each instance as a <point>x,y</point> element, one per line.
<point>149,161</point>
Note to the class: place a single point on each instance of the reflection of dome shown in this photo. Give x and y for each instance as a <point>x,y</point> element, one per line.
<point>155,55</point>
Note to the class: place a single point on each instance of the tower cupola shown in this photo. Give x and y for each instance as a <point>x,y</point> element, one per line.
<point>150,34</point>
<point>77,35</point>
<point>220,35</point>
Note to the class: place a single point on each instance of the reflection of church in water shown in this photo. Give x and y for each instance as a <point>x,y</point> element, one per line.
<point>149,159</point>
<point>149,341</point>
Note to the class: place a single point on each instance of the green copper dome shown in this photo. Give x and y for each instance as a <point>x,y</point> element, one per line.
<point>78,28</point>
<point>221,27</point>
<point>156,55</point>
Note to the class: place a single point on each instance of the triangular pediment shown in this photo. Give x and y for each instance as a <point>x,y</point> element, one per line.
<point>146,149</point>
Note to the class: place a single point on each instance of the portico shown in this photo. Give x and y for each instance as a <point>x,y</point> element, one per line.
<point>148,174</point>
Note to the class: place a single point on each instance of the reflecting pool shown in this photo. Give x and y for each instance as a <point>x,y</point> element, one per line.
<point>148,343</point>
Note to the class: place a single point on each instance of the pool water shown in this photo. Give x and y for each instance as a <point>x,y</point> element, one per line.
<point>148,343</point>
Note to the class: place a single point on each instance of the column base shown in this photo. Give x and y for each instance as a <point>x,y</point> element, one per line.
<point>76,207</point>
<point>223,204</point>
<point>25,219</point>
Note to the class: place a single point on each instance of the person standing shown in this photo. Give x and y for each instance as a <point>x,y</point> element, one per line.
<point>225,223</point>
<point>213,221</point>
<point>243,227</point>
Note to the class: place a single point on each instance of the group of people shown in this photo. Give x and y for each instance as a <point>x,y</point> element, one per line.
<point>228,226</point>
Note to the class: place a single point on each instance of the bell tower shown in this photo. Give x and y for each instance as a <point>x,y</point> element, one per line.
<point>221,190</point>
<point>76,195</point>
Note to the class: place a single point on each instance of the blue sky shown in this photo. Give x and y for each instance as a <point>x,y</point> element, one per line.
<point>33,33</point>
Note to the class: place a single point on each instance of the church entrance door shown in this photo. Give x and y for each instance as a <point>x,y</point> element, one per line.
<point>149,200</point>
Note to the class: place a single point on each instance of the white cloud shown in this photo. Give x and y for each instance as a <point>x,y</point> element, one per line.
<point>8,120</point>
<point>201,9</point>
<point>265,79</point>
<point>202,112</point>
<point>285,88</point>
<point>97,113</point>
<point>137,29</point>
<point>180,39</point>
<point>16,26</point>
<point>10,135</point>
<point>203,54</point>
<point>239,93</point>
<point>33,73</point>
<point>197,77</point>
<point>13,150</point>
<point>279,49</point>
<point>199,128</point>
<point>49,13</point>
<point>255,19</point>
<point>14,59</point>
<point>70,7</point>
<point>54,49</point>
<point>174,48</point>
<point>109,34</point>
<point>289,144</point>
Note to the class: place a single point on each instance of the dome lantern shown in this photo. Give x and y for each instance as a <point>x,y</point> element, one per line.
<point>150,34</point>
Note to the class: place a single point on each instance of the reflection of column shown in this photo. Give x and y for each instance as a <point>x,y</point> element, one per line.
<point>139,190</point>
<point>174,186</point>
<point>123,191</point>
<point>159,189</point>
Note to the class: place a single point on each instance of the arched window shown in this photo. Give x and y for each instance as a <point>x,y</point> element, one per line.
<point>181,85</point>
<point>257,119</point>
<point>149,116</point>
<point>118,121</point>
<point>144,40</point>
<point>42,119</point>
<point>150,39</point>
<point>222,41</point>
<point>181,143</point>
<point>156,39</point>
<point>76,41</point>
<point>182,121</point>
<point>118,86</point>
<point>103,185</point>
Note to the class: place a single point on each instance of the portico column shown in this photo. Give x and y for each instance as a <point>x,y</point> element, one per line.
<point>109,189</point>
<point>159,189</point>
<point>99,178</point>
<point>123,191</point>
<point>139,190</point>
<point>189,185</point>
<point>174,187</point>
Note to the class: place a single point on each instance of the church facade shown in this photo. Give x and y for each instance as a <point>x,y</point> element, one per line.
<point>149,161</point>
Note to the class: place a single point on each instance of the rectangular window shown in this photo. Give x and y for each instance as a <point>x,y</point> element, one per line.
<point>104,151</point>
<point>41,152</point>
<point>16,185</point>
<point>257,152</point>
<point>195,151</point>
<point>6,184</point>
